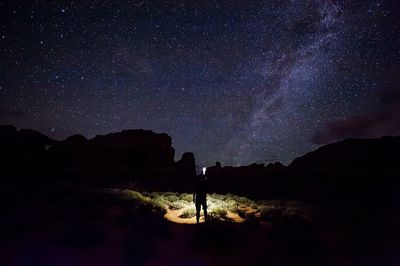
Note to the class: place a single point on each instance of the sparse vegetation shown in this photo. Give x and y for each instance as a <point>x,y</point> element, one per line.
<point>188,213</point>
<point>218,205</point>
<point>277,210</point>
<point>218,213</point>
<point>177,205</point>
<point>186,197</point>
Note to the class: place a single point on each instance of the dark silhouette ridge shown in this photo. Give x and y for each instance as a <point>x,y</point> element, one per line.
<point>353,186</point>
<point>350,154</point>
<point>140,158</point>
<point>75,139</point>
<point>187,165</point>
<point>22,152</point>
<point>343,169</point>
<point>144,160</point>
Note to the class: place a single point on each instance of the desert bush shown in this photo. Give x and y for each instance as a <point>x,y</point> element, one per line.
<point>177,205</point>
<point>285,210</point>
<point>218,213</point>
<point>218,196</point>
<point>171,198</point>
<point>231,196</point>
<point>127,194</point>
<point>146,193</point>
<point>254,206</point>
<point>232,205</point>
<point>244,200</point>
<point>212,200</point>
<point>186,197</point>
<point>188,213</point>
<point>150,194</point>
<point>141,200</point>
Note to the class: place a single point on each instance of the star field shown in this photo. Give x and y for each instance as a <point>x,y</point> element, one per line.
<point>232,81</point>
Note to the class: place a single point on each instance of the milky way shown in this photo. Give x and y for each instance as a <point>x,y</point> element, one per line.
<point>232,81</point>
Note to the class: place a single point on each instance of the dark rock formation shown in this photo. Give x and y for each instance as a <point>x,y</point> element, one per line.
<point>337,171</point>
<point>353,155</point>
<point>22,151</point>
<point>130,155</point>
<point>275,166</point>
<point>366,168</point>
<point>139,155</point>
<point>125,154</point>
<point>356,169</point>
<point>7,131</point>
<point>186,166</point>
<point>254,180</point>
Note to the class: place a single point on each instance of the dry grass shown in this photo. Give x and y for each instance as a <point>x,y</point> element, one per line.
<point>219,206</point>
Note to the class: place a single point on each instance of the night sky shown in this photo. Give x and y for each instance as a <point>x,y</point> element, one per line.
<point>232,81</point>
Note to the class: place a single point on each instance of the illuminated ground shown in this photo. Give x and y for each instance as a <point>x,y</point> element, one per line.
<point>70,225</point>
<point>179,207</point>
<point>175,216</point>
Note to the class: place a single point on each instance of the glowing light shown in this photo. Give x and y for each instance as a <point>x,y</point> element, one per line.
<point>204,170</point>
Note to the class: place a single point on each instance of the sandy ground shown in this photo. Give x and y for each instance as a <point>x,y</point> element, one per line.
<point>173,216</point>
<point>66,228</point>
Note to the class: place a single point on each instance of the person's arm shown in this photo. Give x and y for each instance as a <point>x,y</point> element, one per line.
<point>194,197</point>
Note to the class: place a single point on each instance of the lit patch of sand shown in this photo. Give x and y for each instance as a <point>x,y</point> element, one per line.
<point>173,216</point>
<point>234,217</point>
<point>247,209</point>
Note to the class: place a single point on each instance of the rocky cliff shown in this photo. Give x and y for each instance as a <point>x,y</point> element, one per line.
<point>134,155</point>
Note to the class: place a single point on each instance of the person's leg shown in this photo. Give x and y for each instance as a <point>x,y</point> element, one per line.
<point>205,209</point>
<point>198,206</point>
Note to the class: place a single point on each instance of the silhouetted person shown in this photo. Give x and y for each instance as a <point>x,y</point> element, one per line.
<point>200,196</point>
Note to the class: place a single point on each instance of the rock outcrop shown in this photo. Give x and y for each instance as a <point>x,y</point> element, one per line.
<point>352,155</point>
<point>22,152</point>
<point>138,155</point>
<point>130,153</point>
<point>186,166</point>
<point>364,168</point>
<point>335,171</point>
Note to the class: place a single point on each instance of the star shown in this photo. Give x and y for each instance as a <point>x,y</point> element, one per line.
<point>232,81</point>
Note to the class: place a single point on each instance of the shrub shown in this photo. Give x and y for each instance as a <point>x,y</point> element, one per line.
<point>177,205</point>
<point>139,199</point>
<point>254,206</point>
<point>171,198</point>
<point>286,210</point>
<point>188,213</point>
<point>232,205</point>
<point>127,194</point>
<point>186,197</point>
<point>218,196</point>
<point>244,200</point>
<point>218,213</point>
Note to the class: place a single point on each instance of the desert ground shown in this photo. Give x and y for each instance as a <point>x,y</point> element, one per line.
<point>71,225</point>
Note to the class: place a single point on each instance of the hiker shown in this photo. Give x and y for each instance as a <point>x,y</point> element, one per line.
<point>200,196</point>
